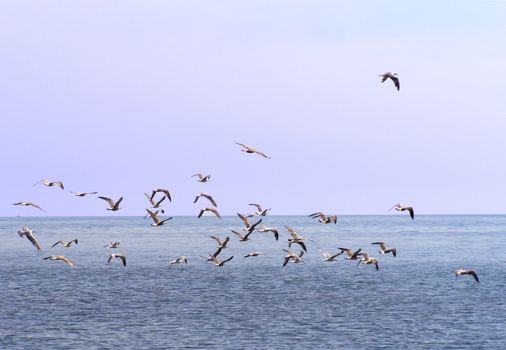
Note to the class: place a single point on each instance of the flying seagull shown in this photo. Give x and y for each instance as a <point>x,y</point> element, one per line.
<point>202,177</point>
<point>164,191</point>
<point>221,244</point>
<point>30,204</point>
<point>112,245</point>
<point>207,196</point>
<point>156,219</point>
<point>248,149</point>
<point>114,206</point>
<point>219,262</point>
<point>65,243</point>
<point>50,183</point>
<point>368,261</point>
<point>242,238</point>
<point>260,212</point>
<point>393,76</point>
<point>254,254</point>
<point>212,210</point>
<point>82,194</point>
<point>385,249</point>
<point>324,219</point>
<point>459,272</point>
<point>120,256</point>
<point>269,229</point>
<point>329,257</point>
<point>154,204</point>
<point>61,258</point>
<point>292,256</point>
<point>399,207</point>
<point>26,232</point>
<point>351,255</point>
<point>179,260</point>
<point>249,227</point>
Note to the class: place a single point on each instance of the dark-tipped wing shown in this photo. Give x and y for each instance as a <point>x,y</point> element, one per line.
<point>411,212</point>
<point>108,200</point>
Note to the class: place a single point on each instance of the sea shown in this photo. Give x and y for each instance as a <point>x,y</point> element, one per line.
<point>414,301</point>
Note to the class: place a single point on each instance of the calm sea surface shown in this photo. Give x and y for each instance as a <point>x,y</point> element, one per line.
<point>412,302</point>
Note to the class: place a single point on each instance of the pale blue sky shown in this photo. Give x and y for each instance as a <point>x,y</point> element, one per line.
<point>124,96</point>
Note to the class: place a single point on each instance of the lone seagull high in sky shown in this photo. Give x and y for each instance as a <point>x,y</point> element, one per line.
<point>30,204</point>
<point>114,206</point>
<point>460,272</point>
<point>399,207</point>
<point>393,76</point>
<point>61,258</point>
<point>26,232</point>
<point>248,149</point>
<point>50,183</point>
<point>202,177</point>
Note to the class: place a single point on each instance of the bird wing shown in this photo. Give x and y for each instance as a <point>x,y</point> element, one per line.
<point>242,145</point>
<point>123,259</point>
<point>155,218</point>
<point>167,193</point>
<point>36,206</point>
<point>224,261</point>
<point>244,219</point>
<point>210,198</point>
<point>116,205</point>
<point>398,205</point>
<point>152,202</point>
<point>396,82</point>
<point>215,212</point>
<point>262,154</point>
<point>200,213</point>
<point>216,239</point>
<point>475,276</point>
<point>67,261</point>
<point>411,212</point>
<point>196,198</point>
<point>238,234</point>
<point>59,183</point>
<point>59,242</point>
<point>259,207</point>
<point>157,204</point>
<point>32,239</point>
<point>108,200</point>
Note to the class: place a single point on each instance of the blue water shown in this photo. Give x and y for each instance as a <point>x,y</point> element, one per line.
<point>412,302</point>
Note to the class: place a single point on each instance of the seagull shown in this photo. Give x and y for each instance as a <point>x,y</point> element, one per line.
<point>50,183</point>
<point>399,207</point>
<point>254,254</point>
<point>210,256</point>
<point>30,204</point>
<point>292,256</point>
<point>352,255</point>
<point>248,149</point>
<point>221,244</point>
<point>260,212</point>
<point>202,177</point>
<point>180,260</point>
<point>269,229</point>
<point>61,258</point>
<point>112,245</point>
<point>113,206</point>
<point>65,244</point>
<point>393,76</point>
<point>466,272</point>
<point>205,195</point>
<point>249,227</point>
<point>368,261</point>
<point>154,204</point>
<point>328,257</point>
<point>163,190</point>
<point>324,218</point>
<point>82,194</point>
<point>25,231</point>
<point>385,249</point>
<point>212,210</point>
<point>156,219</point>
<point>296,238</point>
<point>241,237</point>
<point>219,262</point>
<point>121,256</point>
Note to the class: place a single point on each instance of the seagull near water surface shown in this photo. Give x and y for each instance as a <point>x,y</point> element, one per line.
<point>460,272</point>
<point>399,207</point>
<point>114,206</point>
<point>61,258</point>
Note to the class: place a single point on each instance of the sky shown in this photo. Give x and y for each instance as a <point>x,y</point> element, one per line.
<point>121,97</point>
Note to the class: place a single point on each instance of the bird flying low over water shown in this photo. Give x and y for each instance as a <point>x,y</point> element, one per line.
<point>221,244</point>
<point>242,238</point>
<point>296,238</point>
<point>219,262</point>
<point>295,258</point>
<point>249,227</point>
<point>50,183</point>
<point>112,245</point>
<point>179,260</point>
<point>202,177</point>
<point>254,254</point>
<point>119,256</point>
<point>329,257</point>
<point>399,207</point>
<point>261,211</point>
<point>385,249</point>
<point>162,190</point>
<point>207,196</point>
<point>248,149</point>
<point>351,255</point>
<point>65,243</point>
<point>269,229</point>
<point>460,272</point>
<point>26,232</point>
<point>392,76</point>
<point>212,210</point>
<point>368,261</point>
<point>82,194</point>
<point>324,218</point>
<point>61,258</point>
<point>114,206</point>
<point>156,219</point>
<point>30,204</point>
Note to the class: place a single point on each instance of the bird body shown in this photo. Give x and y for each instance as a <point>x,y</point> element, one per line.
<point>112,245</point>
<point>202,177</point>
<point>295,258</point>
<point>385,249</point>
<point>179,260</point>
<point>460,272</point>
<point>26,232</point>
<point>61,258</point>
<point>156,219</point>
<point>118,256</point>
<point>114,206</point>
<point>351,255</point>
<point>51,183</point>
<point>254,254</point>
<point>329,257</point>
<point>275,231</point>
<point>366,260</point>
<point>324,219</point>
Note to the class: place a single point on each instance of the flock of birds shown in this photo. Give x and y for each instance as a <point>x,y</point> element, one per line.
<point>163,194</point>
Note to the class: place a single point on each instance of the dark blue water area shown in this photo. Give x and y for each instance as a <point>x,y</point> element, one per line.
<point>413,302</point>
